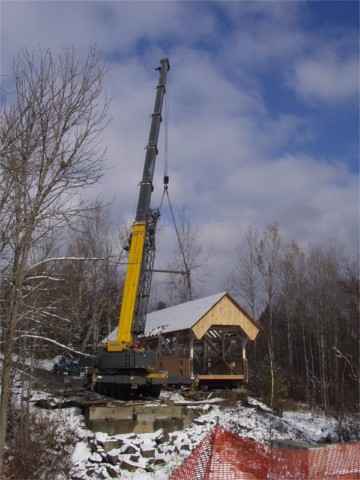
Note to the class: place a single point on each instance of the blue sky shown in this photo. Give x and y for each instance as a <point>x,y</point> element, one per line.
<point>264,106</point>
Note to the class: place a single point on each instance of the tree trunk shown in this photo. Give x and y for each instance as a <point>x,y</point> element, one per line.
<point>86,339</point>
<point>7,366</point>
<point>289,341</point>
<point>271,347</point>
<point>5,398</point>
<point>323,375</point>
<point>306,363</point>
<point>313,373</point>
<point>272,374</point>
<point>15,305</point>
<point>337,384</point>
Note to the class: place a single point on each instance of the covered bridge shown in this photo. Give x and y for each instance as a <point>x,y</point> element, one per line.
<point>202,340</point>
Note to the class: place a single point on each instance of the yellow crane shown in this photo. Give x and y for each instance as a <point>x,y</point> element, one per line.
<point>122,367</point>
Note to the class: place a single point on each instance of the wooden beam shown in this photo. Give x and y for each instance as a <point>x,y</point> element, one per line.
<point>191,346</point>
<point>208,341</point>
<point>220,377</point>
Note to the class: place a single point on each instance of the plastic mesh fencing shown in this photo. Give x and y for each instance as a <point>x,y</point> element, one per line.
<point>225,455</point>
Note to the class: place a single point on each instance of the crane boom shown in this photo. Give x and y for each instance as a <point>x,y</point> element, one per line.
<point>141,251</point>
<point>151,149</point>
<point>123,369</point>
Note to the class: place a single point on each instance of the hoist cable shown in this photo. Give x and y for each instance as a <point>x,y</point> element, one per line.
<point>166,137</point>
<point>162,199</point>
<point>166,192</point>
<point>166,149</point>
<point>181,246</point>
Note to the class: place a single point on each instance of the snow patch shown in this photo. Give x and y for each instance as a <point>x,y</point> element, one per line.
<point>81,453</point>
<point>48,363</point>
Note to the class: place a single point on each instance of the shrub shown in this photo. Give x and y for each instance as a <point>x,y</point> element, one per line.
<point>39,448</point>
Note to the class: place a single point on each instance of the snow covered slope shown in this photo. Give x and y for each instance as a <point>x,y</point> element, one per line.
<point>153,456</point>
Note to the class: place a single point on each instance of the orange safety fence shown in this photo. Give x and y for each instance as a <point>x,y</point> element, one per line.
<point>225,455</point>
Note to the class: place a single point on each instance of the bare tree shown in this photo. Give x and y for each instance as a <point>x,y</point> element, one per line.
<point>96,287</point>
<point>354,282</point>
<point>268,260</point>
<point>73,299</point>
<point>291,292</point>
<point>6,186</point>
<point>256,279</point>
<point>311,302</point>
<point>351,286</point>
<point>51,133</point>
<point>324,303</point>
<point>244,280</point>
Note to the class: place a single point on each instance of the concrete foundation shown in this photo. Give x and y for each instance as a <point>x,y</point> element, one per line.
<point>137,417</point>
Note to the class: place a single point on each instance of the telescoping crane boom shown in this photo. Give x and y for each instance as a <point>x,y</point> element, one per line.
<point>122,366</point>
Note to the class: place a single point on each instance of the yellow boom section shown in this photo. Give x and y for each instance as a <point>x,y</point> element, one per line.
<point>131,287</point>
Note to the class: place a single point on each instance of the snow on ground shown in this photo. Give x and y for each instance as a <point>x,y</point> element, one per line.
<point>44,364</point>
<point>48,363</point>
<point>81,453</point>
<point>317,427</point>
<point>154,455</point>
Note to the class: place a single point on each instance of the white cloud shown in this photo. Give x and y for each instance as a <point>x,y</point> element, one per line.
<point>276,11</point>
<point>312,202</point>
<point>265,44</point>
<point>224,144</point>
<point>114,26</point>
<point>327,77</point>
<point>265,34</point>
